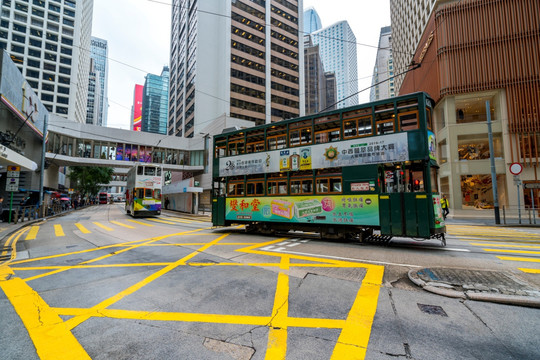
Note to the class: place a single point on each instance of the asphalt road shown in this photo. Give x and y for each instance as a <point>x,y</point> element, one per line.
<point>99,284</point>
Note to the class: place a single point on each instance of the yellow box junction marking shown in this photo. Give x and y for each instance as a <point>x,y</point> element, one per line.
<point>46,329</point>
<point>355,329</point>
<point>530,271</point>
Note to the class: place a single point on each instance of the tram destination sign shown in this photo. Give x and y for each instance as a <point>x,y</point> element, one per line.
<point>361,151</point>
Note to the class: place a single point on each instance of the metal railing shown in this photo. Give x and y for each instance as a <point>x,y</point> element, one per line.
<point>523,215</point>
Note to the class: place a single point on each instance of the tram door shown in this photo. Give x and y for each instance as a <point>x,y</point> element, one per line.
<point>403,202</point>
<point>218,204</point>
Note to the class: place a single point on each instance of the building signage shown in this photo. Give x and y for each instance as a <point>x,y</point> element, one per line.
<point>12,180</point>
<point>137,107</point>
<point>361,151</point>
<point>19,97</point>
<point>333,209</point>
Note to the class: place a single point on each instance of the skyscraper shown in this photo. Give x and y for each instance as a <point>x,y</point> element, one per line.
<point>318,97</point>
<point>50,42</point>
<point>383,71</point>
<point>99,56</point>
<point>238,58</point>
<point>312,21</point>
<point>94,95</point>
<point>155,103</point>
<point>337,45</point>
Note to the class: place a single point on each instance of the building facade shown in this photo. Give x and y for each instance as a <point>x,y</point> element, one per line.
<point>155,103</point>
<point>49,41</point>
<point>337,45</point>
<point>409,19</point>
<point>99,69</point>
<point>486,69</point>
<point>235,58</point>
<point>383,85</point>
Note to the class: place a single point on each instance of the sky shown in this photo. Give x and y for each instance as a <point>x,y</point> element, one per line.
<point>138,36</point>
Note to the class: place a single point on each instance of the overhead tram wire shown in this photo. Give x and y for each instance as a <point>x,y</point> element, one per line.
<point>414,67</point>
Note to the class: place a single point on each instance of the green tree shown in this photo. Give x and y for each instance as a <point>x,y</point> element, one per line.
<point>88,180</point>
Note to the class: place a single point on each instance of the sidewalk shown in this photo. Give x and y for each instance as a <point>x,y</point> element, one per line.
<point>492,286</point>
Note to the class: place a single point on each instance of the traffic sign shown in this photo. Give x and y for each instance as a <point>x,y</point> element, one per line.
<point>12,184</point>
<point>516,168</point>
<point>13,171</point>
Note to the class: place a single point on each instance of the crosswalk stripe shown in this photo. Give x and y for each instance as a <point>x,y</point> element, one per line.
<point>103,226</point>
<point>82,228</point>
<point>120,224</point>
<point>506,245</point>
<point>58,231</point>
<point>32,233</point>
<point>515,258</point>
<point>530,271</point>
<point>162,221</point>
<point>140,223</point>
<point>177,220</point>
<point>513,251</point>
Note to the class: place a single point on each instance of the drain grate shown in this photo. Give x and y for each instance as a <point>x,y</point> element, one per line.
<point>432,309</point>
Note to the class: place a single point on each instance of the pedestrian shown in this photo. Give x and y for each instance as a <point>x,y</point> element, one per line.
<point>167,203</point>
<point>444,205</point>
<point>2,208</point>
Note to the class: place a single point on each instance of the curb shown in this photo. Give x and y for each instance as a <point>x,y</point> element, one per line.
<point>446,290</point>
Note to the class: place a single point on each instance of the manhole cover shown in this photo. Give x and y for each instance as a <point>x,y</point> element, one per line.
<point>432,309</point>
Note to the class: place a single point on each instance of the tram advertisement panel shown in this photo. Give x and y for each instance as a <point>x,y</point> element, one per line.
<point>373,150</point>
<point>331,209</point>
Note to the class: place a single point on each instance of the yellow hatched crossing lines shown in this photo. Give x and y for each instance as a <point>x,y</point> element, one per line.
<point>523,243</point>
<point>59,230</point>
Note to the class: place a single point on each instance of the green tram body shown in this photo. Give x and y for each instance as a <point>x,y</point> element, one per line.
<point>335,176</point>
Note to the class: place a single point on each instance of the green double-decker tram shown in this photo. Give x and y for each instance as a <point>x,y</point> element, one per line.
<point>367,171</point>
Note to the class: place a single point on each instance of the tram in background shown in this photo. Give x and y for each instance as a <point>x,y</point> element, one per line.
<point>343,173</point>
<point>143,190</point>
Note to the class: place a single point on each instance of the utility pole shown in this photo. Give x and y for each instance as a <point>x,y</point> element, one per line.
<point>493,171</point>
<point>42,172</point>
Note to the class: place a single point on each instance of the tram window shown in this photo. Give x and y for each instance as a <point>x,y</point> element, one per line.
<point>417,179</point>
<point>277,142</point>
<point>236,147</point>
<point>150,171</point>
<point>329,185</point>
<point>429,119</point>
<point>157,194</point>
<point>300,136</point>
<point>434,183</point>
<point>236,189</point>
<point>140,170</point>
<point>357,127</point>
<point>255,147</point>
<point>277,187</point>
<point>385,127</point>
<point>139,193</point>
<point>158,172</point>
<point>255,188</point>
<point>220,152</point>
<point>408,120</point>
<point>147,193</point>
<point>302,186</point>
<point>325,136</point>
